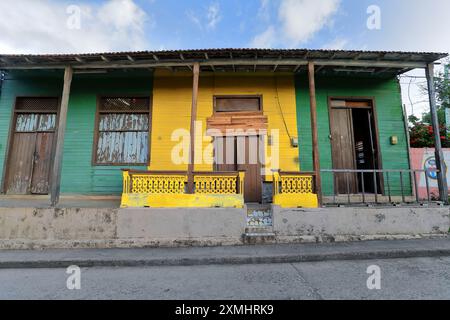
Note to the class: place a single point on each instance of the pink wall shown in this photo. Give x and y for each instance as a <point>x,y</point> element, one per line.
<point>422,159</point>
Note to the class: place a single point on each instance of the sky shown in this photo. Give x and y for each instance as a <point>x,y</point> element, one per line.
<point>80,26</point>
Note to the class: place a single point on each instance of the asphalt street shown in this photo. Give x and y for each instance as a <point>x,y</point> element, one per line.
<point>414,278</point>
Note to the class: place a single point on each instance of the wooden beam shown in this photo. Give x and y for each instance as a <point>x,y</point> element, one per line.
<point>55,181</point>
<point>220,62</point>
<point>439,154</point>
<point>196,76</point>
<point>314,129</point>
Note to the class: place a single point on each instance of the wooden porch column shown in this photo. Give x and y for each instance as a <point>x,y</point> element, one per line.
<point>314,131</point>
<point>439,155</point>
<point>55,180</point>
<point>196,74</point>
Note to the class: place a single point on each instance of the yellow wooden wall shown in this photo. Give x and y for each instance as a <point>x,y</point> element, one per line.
<point>172,98</point>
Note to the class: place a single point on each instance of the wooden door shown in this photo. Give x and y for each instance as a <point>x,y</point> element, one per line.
<point>242,154</point>
<point>42,163</point>
<point>20,164</point>
<point>248,160</point>
<point>343,150</point>
<point>31,154</point>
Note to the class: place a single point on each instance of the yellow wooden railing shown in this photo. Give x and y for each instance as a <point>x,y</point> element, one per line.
<point>154,182</point>
<point>294,189</point>
<point>169,189</point>
<point>293,183</point>
<point>219,183</point>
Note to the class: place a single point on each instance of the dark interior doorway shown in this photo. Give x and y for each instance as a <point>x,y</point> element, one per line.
<point>354,142</point>
<point>365,149</point>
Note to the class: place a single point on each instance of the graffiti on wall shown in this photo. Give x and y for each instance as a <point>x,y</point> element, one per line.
<point>424,159</point>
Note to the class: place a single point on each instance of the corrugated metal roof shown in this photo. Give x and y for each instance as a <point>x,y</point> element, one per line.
<point>228,59</point>
<point>310,53</point>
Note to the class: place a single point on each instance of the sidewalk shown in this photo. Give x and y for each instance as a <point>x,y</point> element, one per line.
<point>225,255</point>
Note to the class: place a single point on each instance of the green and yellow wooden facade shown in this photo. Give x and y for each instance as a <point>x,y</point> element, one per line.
<point>161,182</point>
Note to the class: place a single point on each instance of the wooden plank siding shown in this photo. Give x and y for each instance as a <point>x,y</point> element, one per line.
<point>79,175</point>
<point>386,93</point>
<point>22,84</point>
<point>172,94</point>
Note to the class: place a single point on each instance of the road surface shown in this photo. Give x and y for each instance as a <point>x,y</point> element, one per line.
<point>417,278</point>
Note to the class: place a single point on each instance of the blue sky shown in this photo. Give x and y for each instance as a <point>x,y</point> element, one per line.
<point>81,26</point>
<point>39,26</point>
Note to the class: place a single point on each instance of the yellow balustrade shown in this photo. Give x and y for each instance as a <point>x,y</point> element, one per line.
<point>219,183</point>
<point>294,190</point>
<point>168,189</point>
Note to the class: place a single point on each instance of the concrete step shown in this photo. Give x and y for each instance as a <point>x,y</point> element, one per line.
<point>259,235</point>
<point>259,238</point>
<point>251,230</point>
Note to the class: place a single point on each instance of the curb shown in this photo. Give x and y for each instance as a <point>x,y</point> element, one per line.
<point>230,260</point>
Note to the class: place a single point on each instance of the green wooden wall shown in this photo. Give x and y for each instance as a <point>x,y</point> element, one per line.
<point>79,176</point>
<point>390,122</point>
<point>19,84</point>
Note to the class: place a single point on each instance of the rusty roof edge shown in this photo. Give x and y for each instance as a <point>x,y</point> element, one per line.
<point>223,50</point>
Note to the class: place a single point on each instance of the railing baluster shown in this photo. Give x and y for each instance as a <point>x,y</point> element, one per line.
<point>334,187</point>
<point>401,187</point>
<point>348,188</point>
<point>428,186</point>
<point>416,187</point>
<point>375,184</point>
<point>363,188</point>
<point>389,187</point>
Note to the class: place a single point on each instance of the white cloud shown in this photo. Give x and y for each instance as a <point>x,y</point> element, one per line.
<point>213,15</point>
<point>194,19</point>
<point>208,20</point>
<point>29,26</point>
<point>299,21</point>
<point>264,10</point>
<point>336,44</point>
<point>264,40</point>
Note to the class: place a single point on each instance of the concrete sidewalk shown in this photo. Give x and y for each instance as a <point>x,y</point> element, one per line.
<point>225,255</point>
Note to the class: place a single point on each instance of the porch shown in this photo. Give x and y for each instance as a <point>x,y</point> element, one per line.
<point>308,188</point>
<point>211,189</point>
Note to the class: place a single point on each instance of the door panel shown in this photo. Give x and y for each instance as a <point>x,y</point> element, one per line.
<point>247,151</point>
<point>30,155</point>
<point>42,163</point>
<point>20,164</point>
<point>241,154</point>
<point>343,150</point>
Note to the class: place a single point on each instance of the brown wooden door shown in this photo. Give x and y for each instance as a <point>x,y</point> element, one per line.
<point>31,154</point>
<point>242,154</point>
<point>20,164</point>
<point>248,161</point>
<point>343,150</point>
<point>42,163</point>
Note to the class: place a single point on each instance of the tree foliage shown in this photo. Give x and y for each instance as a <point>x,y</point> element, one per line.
<point>420,130</point>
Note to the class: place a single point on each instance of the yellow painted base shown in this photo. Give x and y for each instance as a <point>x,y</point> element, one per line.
<point>307,200</point>
<point>182,201</point>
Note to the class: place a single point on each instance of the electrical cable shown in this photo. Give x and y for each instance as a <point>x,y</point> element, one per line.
<point>281,110</point>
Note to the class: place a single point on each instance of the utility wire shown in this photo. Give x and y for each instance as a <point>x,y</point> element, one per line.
<point>281,109</point>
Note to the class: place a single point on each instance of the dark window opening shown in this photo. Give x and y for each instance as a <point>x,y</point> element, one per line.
<point>365,149</point>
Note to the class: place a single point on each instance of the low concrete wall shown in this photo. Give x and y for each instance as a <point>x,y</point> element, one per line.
<point>343,224</point>
<point>24,228</point>
<point>210,226</point>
